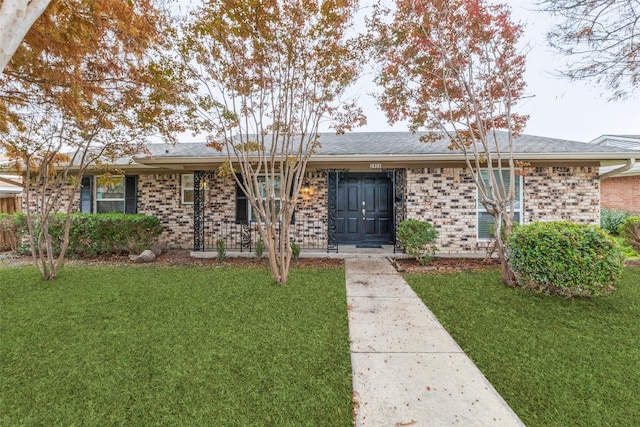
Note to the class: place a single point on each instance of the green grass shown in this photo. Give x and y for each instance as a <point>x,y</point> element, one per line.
<point>557,362</point>
<point>174,346</point>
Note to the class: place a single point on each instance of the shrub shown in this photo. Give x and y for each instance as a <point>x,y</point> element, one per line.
<point>630,230</point>
<point>12,230</point>
<point>259,248</point>
<point>96,234</point>
<point>221,251</point>
<point>564,258</point>
<point>295,250</point>
<point>627,250</point>
<point>417,238</point>
<point>612,219</point>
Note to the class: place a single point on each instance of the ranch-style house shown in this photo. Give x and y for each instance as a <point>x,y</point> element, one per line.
<point>358,187</point>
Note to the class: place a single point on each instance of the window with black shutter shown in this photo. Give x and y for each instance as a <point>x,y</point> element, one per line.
<point>86,194</point>
<point>242,205</point>
<point>120,194</point>
<point>243,208</point>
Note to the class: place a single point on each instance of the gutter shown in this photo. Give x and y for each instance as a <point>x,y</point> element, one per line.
<point>621,169</point>
<point>10,181</point>
<point>364,158</point>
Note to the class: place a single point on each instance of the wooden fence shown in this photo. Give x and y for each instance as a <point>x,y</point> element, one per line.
<point>8,205</point>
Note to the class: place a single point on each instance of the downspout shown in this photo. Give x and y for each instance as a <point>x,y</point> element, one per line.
<point>629,165</point>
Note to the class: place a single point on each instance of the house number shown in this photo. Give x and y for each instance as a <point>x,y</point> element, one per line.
<point>375,165</point>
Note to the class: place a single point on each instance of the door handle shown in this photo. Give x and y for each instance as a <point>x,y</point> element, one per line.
<point>364,212</point>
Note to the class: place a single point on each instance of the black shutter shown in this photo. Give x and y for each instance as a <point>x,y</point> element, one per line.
<point>86,194</point>
<point>242,205</point>
<point>293,214</point>
<point>131,194</point>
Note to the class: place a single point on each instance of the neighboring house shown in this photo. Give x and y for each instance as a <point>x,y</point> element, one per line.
<point>358,188</point>
<point>10,189</point>
<point>620,187</point>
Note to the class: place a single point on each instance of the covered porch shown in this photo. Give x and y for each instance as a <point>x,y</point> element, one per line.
<point>361,212</point>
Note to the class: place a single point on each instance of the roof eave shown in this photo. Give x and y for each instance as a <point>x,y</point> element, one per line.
<point>603,157</point>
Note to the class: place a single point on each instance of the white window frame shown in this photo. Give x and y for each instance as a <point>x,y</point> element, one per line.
<point>518,210</point>
<point>96,185</point>
<point>184,187</point>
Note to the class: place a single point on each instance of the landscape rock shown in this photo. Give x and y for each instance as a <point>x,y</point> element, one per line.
<point>145,256</point>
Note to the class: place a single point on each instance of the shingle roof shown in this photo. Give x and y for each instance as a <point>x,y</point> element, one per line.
<point>395,143</point>
<point>631,142</point>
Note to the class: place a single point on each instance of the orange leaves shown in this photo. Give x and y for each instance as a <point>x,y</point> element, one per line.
<point>452,63</point>
<point>91,58</point>
<point>275,66</point>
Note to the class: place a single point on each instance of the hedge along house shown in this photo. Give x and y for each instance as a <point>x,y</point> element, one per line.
<point>358,187</point>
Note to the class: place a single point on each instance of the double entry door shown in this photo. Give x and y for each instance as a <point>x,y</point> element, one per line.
<point>365,208</point>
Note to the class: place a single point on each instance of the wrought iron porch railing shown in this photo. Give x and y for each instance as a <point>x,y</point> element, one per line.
<point>243,236</point>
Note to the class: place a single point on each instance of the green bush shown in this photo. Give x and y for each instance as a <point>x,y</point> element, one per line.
<point>96,234</point>
<point>630,231</point>
<point>259,250</point>
<point>221,250</point>
<point>627,250</point>
<point>417,238</point>
<point>564,258</point>
<point>612,219</point>
<point>295,250</point>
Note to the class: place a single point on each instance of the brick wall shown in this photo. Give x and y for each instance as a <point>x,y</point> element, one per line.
<point>160,195</point>
<point>621,193</point>
<point>446,197</point>
<point>62,198</point>
<point>562,194</point>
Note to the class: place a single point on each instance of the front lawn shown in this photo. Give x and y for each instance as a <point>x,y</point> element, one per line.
<point>557,362</point>
<point>174,346</point>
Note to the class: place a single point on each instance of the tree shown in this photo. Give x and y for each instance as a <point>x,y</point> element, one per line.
<point>265,74</point>
<point>16,17</point>
<point>601,38</point>
<point>452,67</point>
<point>84,88</point>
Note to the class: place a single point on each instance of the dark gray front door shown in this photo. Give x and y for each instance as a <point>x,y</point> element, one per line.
<point>365,210</point>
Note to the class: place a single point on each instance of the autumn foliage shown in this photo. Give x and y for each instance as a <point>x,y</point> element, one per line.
<point>453,67</point>
<point>84,88</point>
<point>265,74</point>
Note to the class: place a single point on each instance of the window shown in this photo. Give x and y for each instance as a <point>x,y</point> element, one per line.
<point>244,212</point>
<point>485,220</point>
<point>187,191</point>
<point>110,195</point>
<point>119,194</point>
<point>265,187</point>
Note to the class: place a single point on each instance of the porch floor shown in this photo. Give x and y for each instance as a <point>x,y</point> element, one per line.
<point>344,252</point>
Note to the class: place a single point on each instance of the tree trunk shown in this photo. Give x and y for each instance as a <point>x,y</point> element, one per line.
<point>16,18</point>
<point>278,251</point>
<point>508,278</point>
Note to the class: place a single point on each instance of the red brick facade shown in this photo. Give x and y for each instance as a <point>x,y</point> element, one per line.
<point>621,193</point>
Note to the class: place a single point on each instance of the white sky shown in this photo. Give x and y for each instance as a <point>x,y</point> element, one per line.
<point>559,108</point>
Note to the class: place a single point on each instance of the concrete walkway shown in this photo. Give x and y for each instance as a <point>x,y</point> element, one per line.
<point>407,370</point>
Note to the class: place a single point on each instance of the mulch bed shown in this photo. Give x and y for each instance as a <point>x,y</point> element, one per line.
<point>409,265</point>
<point>173,257</point>
<point>181,257</point>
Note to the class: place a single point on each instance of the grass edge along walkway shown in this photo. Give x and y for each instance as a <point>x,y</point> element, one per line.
<point>557,362</point>
<point>174,346</point>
